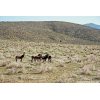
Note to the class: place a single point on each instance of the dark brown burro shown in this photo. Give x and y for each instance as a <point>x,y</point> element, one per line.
<point>20,57</point>
<point>47,56</point>
<point>36,58</point>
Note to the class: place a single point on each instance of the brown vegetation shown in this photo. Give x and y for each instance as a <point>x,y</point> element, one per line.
<point>70,63</point>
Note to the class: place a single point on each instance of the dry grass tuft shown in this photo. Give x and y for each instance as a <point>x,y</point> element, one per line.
<point>43,68</point>
<point>15,65</point>
<point>4,63</point>
<point>87,69</point>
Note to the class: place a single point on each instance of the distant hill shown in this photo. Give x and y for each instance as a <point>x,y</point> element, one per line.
<point>49,31</point>
<point>92,25</point>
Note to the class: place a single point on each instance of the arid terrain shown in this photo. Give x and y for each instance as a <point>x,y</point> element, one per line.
<point>70,63</point>
<point>74,49</point>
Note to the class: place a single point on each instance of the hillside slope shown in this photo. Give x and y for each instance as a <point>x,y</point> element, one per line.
<point>49,31</point>
<point>92,25</point>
